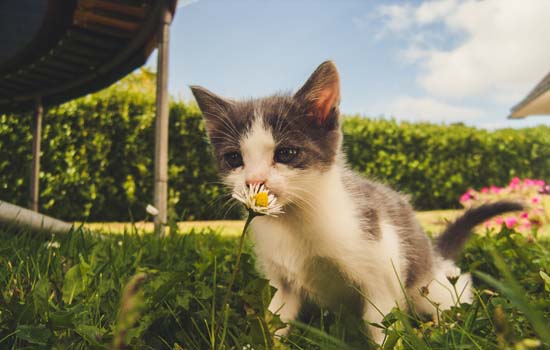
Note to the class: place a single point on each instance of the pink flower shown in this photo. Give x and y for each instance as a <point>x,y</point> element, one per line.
<point>535,200</point>
<point>499,220</point>
<point>465,197</point>
<point>539,183</point>
<point>529,182</point>
<point>515,183</point>
<point>484,190</point>
<point>495,189</point>
<point>524,215</point>
<point>510,222</point>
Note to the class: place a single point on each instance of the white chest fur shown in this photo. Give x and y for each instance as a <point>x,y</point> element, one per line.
<point>330,231</point>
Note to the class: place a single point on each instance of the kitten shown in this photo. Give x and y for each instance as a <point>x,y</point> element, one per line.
<point>342,239</point>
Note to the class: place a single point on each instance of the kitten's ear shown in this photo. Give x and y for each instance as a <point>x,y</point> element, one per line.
<point>212,106</point>
<point>322,92</point>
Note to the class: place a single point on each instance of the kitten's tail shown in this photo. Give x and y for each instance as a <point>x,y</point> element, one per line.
<point>450,242</point>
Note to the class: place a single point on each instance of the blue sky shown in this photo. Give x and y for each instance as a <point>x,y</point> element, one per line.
<point>441,61</point>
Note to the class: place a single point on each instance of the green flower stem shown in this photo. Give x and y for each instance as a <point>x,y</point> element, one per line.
<point>251,215</point>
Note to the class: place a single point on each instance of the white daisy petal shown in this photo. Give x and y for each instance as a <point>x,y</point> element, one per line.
<point>249,197</point>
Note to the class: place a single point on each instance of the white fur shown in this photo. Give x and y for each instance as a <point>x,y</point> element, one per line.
<point>285,245</point>
<point>327,224</point>
<point>439,293</point>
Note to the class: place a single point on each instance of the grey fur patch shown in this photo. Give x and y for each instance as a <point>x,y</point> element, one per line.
<point>285,285</point>
<point>371,224</point>
<point>451,241</point>
<point>227,122</point>
<point>379,203</point>
<point>292,127</point>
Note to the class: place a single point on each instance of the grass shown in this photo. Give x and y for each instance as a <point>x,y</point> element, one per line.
<point>93,291</point>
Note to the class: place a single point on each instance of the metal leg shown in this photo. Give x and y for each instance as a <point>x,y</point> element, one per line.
<point>161,124</point>
<point>35,171</point>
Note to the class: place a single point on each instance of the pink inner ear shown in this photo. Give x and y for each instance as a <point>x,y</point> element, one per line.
<point>327,99</point>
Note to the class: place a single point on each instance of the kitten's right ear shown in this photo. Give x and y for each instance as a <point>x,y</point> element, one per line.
<point>212,106</point>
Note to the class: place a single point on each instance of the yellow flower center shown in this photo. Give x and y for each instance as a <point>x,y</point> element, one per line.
<point>261,199</point>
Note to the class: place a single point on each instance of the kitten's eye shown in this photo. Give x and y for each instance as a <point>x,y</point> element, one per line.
<point>285,155</point>
<point>233,159</point>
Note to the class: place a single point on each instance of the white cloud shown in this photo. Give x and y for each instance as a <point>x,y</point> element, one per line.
<point>414,54</point>
<point>432,11</point>
<point>428,109</point>
<point>397,17</point>
<point>503,51</point>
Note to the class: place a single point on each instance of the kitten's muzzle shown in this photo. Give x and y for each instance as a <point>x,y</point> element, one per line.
<point>254,181</point>
<point>259,183</point>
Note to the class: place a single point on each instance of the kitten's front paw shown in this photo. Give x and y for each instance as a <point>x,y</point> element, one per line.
<point>283,332</point>
<point>452,272</point>
<point>378,336</point>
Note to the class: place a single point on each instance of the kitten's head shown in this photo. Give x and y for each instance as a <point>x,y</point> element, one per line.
<point>283,141</point>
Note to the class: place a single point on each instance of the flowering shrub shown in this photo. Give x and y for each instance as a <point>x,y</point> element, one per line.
<point>534,194</point>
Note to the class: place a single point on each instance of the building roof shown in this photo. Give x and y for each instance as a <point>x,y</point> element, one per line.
<point>60,50</point>
<point>537,102</point>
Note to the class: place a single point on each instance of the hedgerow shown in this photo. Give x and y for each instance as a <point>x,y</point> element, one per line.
<point>435,164</point>
<point>97,157</point>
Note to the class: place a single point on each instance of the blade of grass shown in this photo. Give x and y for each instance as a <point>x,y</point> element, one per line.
<point>517,295</point>
<point>331,342</point>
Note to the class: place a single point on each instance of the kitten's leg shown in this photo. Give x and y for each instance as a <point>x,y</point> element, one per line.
<point>378,305</point>
<point>286,303</point>
<point>445,288</point>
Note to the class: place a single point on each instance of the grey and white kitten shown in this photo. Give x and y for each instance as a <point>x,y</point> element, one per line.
<point>343,240</point>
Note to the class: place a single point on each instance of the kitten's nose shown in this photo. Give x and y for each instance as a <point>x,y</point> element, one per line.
<point>256,176</point>
<point>254,181</point>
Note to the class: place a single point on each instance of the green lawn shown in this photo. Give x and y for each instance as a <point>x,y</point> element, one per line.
<point>66,292</point>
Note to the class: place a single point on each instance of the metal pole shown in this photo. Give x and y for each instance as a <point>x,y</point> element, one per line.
<point>161,123</point>
<point>11,214</point>
<point>35,171</point>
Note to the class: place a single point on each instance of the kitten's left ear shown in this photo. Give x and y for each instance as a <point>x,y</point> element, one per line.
<point>322,92</point>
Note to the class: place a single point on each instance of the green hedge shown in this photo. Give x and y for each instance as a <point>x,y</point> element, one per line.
<point>97,157</point>
<point>435,164</point>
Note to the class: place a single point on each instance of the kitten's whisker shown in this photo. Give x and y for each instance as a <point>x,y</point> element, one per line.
<point>224,199</point>
<point>225,121</point>
<point>227,136</point>
<point>232,205</point>
<point>303,203</point>
<point>301,190</point>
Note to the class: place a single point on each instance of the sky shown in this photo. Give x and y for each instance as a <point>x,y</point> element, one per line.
<point>441,61</point>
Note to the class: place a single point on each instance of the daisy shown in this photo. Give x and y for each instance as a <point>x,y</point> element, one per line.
<point>257,199</point>
<point>151,210</point>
